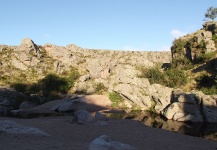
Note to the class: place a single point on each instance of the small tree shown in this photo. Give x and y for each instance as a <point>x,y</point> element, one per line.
<point>211,13</point>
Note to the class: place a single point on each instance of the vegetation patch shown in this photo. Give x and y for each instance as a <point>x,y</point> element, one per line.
<point>116,99</point>
<point>175,77</point>
<point>171,77</point>
<point>153,74</point>
<point>50,87</point>
<point>182,63</point>
<point>214,38</point>
<point>178,46</point>
<point>100,88</point>
<point>207,84</point>
<point>204,57</point>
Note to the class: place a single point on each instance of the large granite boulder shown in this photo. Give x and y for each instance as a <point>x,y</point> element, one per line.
<point>209,108</point>
<point>183,112</point>
<point>161,96</point>
<point>83,117</point>
<point>134,95</point>
<point>26,55</point>
<point>27,45</point>
<point>184,107</point>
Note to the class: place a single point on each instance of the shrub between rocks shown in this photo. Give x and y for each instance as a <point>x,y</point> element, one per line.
<point>50,86</point>
<point>207,84</point>
<point>116,99</point>
<point>171,77</point>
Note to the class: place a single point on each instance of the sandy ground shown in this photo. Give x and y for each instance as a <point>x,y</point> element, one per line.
<point>67,136</point>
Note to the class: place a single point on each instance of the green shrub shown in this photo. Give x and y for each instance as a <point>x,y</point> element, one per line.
<point>53,83</point>
<point>178,46</point>
<point>175,77</point>
<point>74,75</point>
<point>205,80</point>
<point>207,84</point>
<point>116,99</point>
<point>204,57</point>
<point>153,104</point>
<point>214,38</point>
<point>182,63</point>
<point>20,87</point>
<point>153,74</point>
<point>202,45</point>
<point>100,88</point>
<point>209,91</point>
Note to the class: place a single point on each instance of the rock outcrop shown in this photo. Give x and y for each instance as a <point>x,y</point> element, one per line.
<point>28,46</point>
<point>191,107</point>
<point>209,108</point>
<point>201,42</point>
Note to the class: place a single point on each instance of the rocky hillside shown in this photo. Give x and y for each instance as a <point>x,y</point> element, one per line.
<point>196,45</point>
<point>196,53</point>
<point>135,80</point>
<point>31,62</point>
<point>33,69</point>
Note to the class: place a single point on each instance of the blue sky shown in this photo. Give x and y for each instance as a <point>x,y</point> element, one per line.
<point>101,24</point>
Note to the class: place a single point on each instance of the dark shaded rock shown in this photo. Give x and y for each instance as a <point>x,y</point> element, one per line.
<point>83,117</point>
<point>105,142</point>
<point>26,105</point>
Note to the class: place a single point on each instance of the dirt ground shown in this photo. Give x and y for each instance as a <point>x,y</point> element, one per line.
<point>67,136</point>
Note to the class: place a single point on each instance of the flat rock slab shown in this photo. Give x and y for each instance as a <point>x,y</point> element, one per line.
<point>105,142</point>
<point>8,126</point>
<point>68,136</point>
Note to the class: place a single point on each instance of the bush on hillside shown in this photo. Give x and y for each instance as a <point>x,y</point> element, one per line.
<point>100,88</point>
<point>73,76</point>
<point>178,46</point>
<point>154,74</point>
<point>209,91</point>
<point>172,77</point>
<point>53,83</point>
<point>205,80</point>
<point>204,57</point>
<point>207,84</point>
<point>182,63</point>
<point>175,78</point>
<point>50,86</point>
<point>214,38</point>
